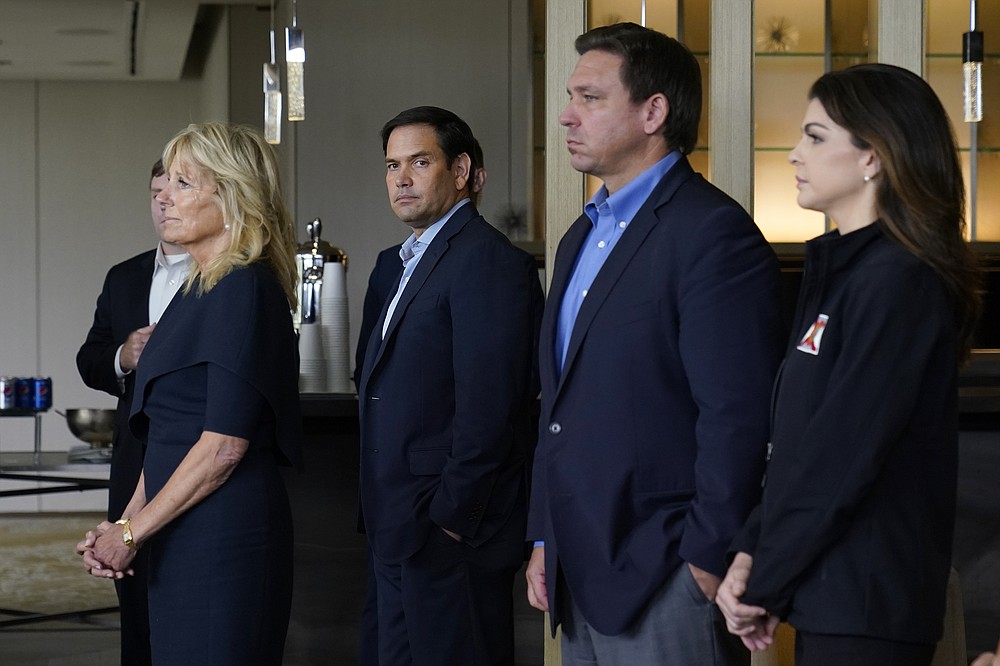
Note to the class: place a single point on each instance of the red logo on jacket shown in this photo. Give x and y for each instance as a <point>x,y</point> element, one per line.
<point>814,336</point>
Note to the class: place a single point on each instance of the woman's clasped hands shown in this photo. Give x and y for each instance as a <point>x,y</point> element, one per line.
<point>104,552</point>
<point>753,624</point>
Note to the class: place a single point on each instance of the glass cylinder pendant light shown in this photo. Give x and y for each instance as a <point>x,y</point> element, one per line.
<point>272,103</point>
<point>272,94</point>
<point>972,69</point>
<point>295,58</point>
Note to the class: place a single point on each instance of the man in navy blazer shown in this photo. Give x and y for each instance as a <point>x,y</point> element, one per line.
<point>126,312</point>
<point>659,344</point>
<point>445,398</point>
<point>382,284</point>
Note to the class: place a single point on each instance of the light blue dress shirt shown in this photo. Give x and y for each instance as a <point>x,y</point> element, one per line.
<point>411,251</point>
<point>610,216</point>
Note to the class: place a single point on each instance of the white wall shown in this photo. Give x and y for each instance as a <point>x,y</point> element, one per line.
<point>75,159</point>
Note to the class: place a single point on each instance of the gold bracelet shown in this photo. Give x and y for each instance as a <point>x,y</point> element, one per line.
<point>127,533</point>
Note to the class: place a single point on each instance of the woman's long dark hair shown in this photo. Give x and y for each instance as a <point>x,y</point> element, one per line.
<point>920,197</point>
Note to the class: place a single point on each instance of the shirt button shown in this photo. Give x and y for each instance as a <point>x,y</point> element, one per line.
<point>584,292</point>
<point>555,428</point>
<point>622,224</point>
<point>601,244</point>
<point>173,282</point>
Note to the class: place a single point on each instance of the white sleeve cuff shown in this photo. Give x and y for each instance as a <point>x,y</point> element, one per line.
<point>121,374</point>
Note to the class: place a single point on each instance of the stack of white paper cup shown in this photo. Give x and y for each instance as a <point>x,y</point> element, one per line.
<point>335,328</point>
<point>312,361</point>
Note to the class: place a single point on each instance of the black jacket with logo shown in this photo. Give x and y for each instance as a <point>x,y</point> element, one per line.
<point>853,535</point>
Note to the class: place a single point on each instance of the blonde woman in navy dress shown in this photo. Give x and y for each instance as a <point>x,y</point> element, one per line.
<point>216,401</point>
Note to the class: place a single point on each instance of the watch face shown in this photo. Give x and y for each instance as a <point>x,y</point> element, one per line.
<point>126,532</point>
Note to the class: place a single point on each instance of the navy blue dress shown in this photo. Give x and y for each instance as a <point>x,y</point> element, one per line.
<point>220,575</point>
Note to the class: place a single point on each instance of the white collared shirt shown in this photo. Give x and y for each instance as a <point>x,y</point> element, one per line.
<point>169,273</point>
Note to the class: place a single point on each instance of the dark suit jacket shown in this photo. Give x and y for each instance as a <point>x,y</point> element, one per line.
<point>445,397</point>
<point>382,285</point>
<point>651,442</point>
<point>122,307</point>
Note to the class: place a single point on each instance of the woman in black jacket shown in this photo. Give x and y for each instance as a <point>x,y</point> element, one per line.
<point>851,543</point>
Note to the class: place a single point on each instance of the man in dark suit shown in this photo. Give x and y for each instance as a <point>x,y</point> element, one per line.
<point>445,396</point>
<point>135,294</point>
<point>659,344</point>
<point>382,285</point>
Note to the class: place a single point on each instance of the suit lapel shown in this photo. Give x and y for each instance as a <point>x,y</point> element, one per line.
<point>622,254</point>
<point>374,347</point>
<point>139,289</point>
<point>428,261</point>
<point>566,254</point>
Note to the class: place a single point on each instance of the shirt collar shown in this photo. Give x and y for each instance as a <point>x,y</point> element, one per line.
<point>626,202</point>
<point>167,260</point>
<point>413,246</point>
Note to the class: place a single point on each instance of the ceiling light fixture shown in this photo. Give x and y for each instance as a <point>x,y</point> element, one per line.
<point>295,58</point>
<point>972,68</point>
<point>272,94</point>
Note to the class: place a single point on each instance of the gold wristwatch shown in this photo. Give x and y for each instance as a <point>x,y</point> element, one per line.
<point>127,533</point>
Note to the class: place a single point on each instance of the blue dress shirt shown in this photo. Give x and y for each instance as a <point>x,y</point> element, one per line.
<point>411,251</point>
<point>610,216</point>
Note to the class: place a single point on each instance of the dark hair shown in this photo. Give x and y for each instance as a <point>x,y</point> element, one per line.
<point>453,134</point>
<point>920,198</point>
<point>654,63</point>
<point>158,170</point>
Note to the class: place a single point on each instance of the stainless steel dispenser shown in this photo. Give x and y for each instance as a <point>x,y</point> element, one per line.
<point>309,260</point>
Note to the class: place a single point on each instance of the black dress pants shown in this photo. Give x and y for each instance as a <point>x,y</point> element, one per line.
<point>450,603</point>
<point>829,650</point>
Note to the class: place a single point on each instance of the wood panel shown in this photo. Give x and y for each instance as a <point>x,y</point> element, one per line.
<point>731,92</point>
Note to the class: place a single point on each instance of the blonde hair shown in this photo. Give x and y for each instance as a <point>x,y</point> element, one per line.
<point>248,192</point>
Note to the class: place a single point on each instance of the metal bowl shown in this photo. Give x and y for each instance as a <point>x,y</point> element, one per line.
<point>94,426</point>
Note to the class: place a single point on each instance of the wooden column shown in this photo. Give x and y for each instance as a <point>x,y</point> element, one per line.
<point>564,189</point>
<point>564,186</point>
<point>731,92</point>
<point>901,33</point>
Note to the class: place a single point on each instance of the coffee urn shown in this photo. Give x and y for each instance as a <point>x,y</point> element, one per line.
<point>310,261</point>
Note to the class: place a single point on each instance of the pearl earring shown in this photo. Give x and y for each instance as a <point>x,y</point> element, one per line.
<point>868,179</point>
<point>226,225</point>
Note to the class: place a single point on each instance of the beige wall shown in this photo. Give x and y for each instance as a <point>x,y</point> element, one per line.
<point>75,160</point>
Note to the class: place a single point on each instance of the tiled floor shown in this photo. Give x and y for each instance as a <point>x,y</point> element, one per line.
<point>330,569</point>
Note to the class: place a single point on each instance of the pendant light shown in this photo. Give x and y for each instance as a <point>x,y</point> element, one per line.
<point>272,94</point>
<point>295,58</point>
<point>972,68</point>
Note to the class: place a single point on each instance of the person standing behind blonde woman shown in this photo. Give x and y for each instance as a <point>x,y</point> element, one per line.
<point>216,401</point>
<point>851,543</point>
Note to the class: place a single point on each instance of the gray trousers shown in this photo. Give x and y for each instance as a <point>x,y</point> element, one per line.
<point>680,627</point>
